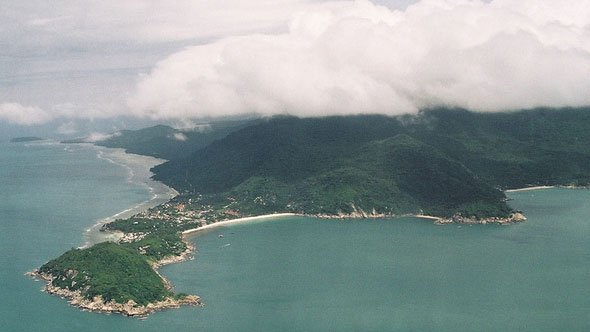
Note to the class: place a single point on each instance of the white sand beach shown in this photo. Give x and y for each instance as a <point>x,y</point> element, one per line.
<point>237,221</point>
<point>529,188</point>
<point>138,167</point>
<point>424,216</point>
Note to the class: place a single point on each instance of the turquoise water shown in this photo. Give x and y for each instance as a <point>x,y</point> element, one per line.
<point>301,274</point>
<point>50,194</point>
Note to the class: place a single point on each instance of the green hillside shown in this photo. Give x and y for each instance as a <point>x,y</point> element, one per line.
<point>512,150</point>
<point>440,161</point>
<point>110,270</point>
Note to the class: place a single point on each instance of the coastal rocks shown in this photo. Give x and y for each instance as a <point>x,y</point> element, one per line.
<point>355,214</point>
<point>185,255</point>
<point>455,219</point>
<point>131,308</point>
<point>517,217</point>
<point>459,219</point>
<point>98,304</point>
<point>132,237</point>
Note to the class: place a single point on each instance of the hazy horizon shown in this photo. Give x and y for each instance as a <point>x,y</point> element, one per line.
<point>69,69</point>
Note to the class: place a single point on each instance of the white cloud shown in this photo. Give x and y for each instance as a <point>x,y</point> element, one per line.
<point>179,137</point>
<point>79,60</point>
<point>143,21</point>
<point>187,124</point>
<point>67,128</point>
<point>89,53</point>
<point>96,137</point>
<point>42,22</point>
<point>16,113</point>
<point>357,57</point>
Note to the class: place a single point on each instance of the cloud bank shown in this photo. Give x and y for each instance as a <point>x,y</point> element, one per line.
<point>69,23</point>
<point>358,57</point>
<point>80,59</point>
<point>18,114</point>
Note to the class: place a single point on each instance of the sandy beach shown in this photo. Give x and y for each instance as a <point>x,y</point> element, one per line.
<point>138,168</point>
<point>423,216</point>
<point>529,188</point>
<point>237,221</point>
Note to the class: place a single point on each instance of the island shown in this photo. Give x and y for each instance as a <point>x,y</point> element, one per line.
<point>26,139</point>
<point>447,165</point>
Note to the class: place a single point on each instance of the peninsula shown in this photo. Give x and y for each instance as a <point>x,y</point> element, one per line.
<point>111,278</point>
<point>449,165</point>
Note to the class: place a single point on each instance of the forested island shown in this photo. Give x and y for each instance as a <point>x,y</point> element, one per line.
<point>451,164</point>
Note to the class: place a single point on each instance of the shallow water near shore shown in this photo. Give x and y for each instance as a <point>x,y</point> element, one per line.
<point>300,274</point>
<point>50,196</point>
<point>297,273</point>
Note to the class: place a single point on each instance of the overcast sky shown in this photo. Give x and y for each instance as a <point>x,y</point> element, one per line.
<point>64,62</point>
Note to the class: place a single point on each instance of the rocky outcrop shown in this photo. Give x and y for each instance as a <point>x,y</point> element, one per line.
<point>185,255</point>
<point>356,213</point>
<point>459,219</point>
<point>98,304</point>
<point>514,217</point>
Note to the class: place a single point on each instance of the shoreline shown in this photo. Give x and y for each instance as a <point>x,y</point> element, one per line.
<point>237,221</point>
<point>512,218</point>
<point>548,187</point>
<point>130,309</point>
<point>138,173</point>
<point>428,217</point>
<point>96,304</point>
<point>529,189</point>
<point>138,168</point>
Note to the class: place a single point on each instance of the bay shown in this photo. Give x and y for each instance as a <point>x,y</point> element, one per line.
<point>406,274</point>
<point>296,273</point>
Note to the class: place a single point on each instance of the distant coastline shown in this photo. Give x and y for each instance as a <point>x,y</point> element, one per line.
<point>26,139</point>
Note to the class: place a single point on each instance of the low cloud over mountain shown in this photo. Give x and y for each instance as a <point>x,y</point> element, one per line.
<point>197,58</point>
<point>358,57</point>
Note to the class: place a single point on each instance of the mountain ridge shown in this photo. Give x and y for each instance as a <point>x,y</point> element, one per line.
<point>442,161</point>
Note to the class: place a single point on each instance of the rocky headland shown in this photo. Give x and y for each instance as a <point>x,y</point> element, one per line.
<point>97,304</point>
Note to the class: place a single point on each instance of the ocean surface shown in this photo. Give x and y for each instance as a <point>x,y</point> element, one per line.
<point>296,273</point>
